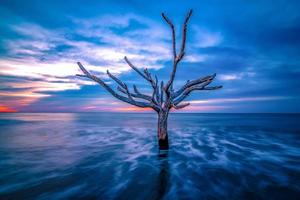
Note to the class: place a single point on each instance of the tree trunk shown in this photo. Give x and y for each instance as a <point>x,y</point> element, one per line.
<point>162,131</point>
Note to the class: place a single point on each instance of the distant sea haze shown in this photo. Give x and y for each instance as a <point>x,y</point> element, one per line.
<point>115,156</point>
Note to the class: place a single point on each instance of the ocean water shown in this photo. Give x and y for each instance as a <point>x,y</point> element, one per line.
<point>115,156</point>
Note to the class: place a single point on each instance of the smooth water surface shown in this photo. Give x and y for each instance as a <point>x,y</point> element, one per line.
<point>115,156</point>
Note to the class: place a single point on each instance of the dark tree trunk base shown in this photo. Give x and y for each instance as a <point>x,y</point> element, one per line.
<point>163,143</point>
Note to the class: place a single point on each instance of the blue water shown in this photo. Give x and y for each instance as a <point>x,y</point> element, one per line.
<point>115,156</point>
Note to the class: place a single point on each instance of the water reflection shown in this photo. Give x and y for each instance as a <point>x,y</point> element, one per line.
<point>163,175</point>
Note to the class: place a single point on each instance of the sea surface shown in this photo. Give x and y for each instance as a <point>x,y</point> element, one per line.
<point>115,156</point>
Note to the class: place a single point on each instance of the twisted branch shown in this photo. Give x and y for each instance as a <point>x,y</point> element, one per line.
<point>124,89</point>
<point>136,95</point>
<point>180,106</point>
<point>128,99</point>
<point>192,83</point>
<point>176,58</point>
<point>173,34</point>
<point>193,88</point>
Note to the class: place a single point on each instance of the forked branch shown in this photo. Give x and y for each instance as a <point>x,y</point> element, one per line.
<point>128,99</point>
<point>192,83</point>
<point>147,75</point>
<point>176,58</point>
<point>187,92</point>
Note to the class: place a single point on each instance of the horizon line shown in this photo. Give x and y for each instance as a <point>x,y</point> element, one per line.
<point>154,112</point>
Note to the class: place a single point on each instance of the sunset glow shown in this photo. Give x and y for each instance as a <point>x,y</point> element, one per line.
<point>132,109</point>
<point>5,109</point>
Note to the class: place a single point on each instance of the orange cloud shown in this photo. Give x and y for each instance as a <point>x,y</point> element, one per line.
<point>132,109</point>
<point>19,100</point>
<point>5,109</point>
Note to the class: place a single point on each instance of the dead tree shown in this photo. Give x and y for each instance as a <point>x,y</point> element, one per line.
<point>163,97</point>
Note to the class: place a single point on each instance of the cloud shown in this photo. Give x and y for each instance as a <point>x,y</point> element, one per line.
<point>241,99</point>
<point>229,77</point>
<point>205,38</point>
<point>237,76</point>
<point>195,58</point>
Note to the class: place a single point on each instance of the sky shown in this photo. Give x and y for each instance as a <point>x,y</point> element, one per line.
<point>253,46</point>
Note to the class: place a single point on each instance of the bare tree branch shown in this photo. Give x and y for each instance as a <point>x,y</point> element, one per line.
<point>192,83</point>
<point>149,78</point>
<point>154,94</point>
<point>83,69</point>
<point>135,68</point>
<point>114,93</point>
<point>128,93</point>
<point>161,92</point>
<point>136,90</point>
<point>157,90</point>
<point>116,79</point>
<point>212,88</point>
<point>146,75</point>
<point>193,88</point>
<point>180,106</point>
<point>136,95</point>
<point>173,34</point>
<point>124,89</point>
<point>178,58</point>
<point>82,75</point>
<point>184,28</point>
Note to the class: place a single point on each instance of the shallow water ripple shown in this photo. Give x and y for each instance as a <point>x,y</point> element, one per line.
<point>114,156</point>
